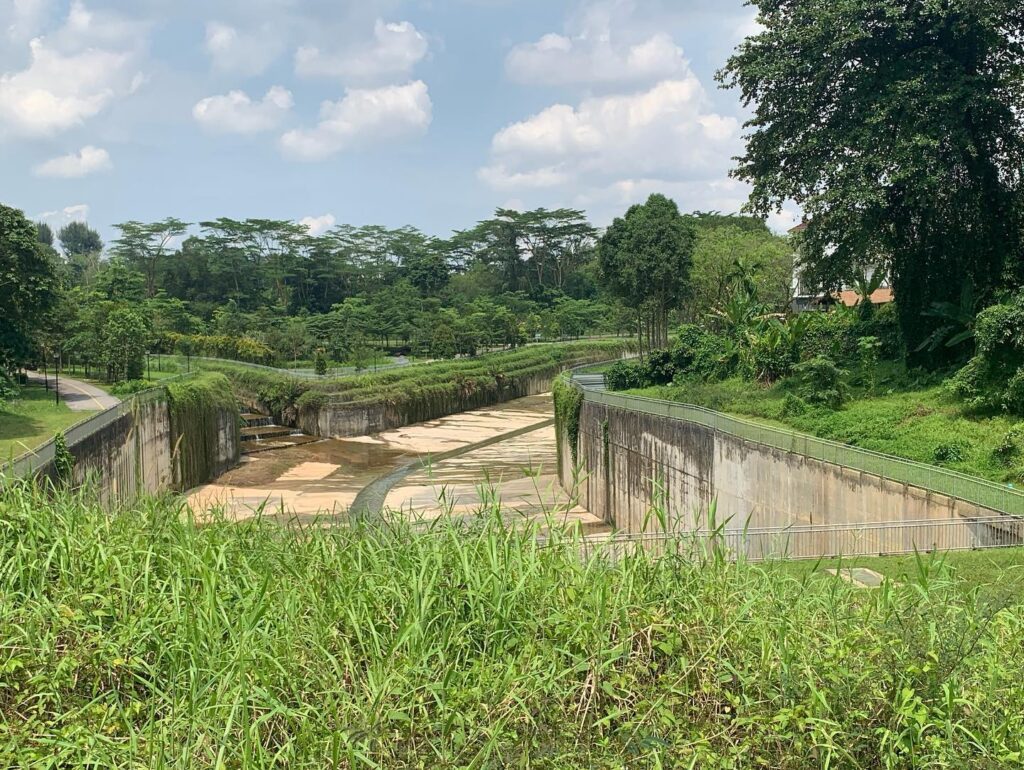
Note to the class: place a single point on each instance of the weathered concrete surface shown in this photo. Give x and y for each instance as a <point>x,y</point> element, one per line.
<point>321,480</point>
<point>631,464</point>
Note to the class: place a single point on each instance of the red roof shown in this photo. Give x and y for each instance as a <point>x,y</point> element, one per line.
<point>799,228</point>
<point>881,296</point>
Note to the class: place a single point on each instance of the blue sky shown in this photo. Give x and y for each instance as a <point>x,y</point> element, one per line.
<point>428,112</point>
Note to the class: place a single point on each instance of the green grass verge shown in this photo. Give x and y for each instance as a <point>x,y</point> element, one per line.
<point>32,419</point>
<point>905,419</point>
<point>143,640</point>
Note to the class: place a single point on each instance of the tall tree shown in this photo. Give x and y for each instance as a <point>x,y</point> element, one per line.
<point>896,125</point>
<point>28,287</point>
<point>78,239</point>
<point>44,233</point>
<point>143,246</point>
<point>646,257</point>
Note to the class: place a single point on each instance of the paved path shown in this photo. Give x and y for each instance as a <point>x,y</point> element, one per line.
<point>79,396</point>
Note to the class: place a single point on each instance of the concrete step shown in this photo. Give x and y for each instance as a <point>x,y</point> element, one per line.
<point>260,432</point>
<point>253,420</point>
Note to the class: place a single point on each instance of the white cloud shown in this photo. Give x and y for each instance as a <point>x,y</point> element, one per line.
<point>86,161</point>
<point>665,132</point>
<point>234,112</point>
<point>245,52</point>
<point>394,52</point>
<point>318,225</point>
<point>561,60</point>
<point>72,75</point>
<point>57,219</point>
<point>363,116</point>
<point>23,18</point>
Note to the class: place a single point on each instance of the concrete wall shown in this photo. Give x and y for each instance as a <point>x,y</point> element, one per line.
<point>133,451</point>
<point>361,419</point>
<point>630,463</point>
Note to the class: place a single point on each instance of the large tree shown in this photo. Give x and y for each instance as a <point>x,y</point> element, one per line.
<point>896,125</point>
<point>28,287</point>
<point>645,258</point>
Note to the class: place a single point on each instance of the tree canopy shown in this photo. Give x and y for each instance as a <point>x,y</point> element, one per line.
<point>896,125</point>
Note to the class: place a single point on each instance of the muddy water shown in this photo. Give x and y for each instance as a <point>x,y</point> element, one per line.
<point>322,479</point>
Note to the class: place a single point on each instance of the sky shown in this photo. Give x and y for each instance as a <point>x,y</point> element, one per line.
<point>430,113</point>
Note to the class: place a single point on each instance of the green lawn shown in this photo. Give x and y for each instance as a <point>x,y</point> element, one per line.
<point>996,574</point>
<point>907,418</point>
<point>31,419</point>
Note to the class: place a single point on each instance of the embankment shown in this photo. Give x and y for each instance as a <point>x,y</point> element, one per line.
<point>171,437</point>
<point>374,402</point>
<point>646,466</point>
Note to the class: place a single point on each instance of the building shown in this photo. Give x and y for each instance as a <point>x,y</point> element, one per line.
<point>807,297</point>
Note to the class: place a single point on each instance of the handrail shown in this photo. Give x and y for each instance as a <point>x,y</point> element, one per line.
<point>960,486</point>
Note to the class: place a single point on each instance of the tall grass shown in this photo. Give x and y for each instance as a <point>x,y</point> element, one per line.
<point>139,639</point>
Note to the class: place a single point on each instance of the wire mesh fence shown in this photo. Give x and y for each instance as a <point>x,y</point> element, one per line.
<point>814,542</point>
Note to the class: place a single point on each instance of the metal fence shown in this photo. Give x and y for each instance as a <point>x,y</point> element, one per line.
<point>301,374</point>
<point>960,486</point>
<point>814,542</point>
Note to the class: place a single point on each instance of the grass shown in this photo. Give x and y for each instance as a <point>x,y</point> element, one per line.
<point>32,419</point>
<point>143,640</point>
<point>906,417</point>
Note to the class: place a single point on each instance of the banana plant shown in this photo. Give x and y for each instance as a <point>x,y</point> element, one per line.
<point>957,319</point>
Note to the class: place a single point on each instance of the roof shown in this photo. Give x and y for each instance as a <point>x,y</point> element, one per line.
<point>799,228</point>
<point>882,296</point>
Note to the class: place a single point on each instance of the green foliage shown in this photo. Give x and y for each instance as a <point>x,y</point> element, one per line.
<point>124,344</point>
<point>830,334</point>
<point>916,187</point>
<point>820,382</point>
<point>200,408</point>
<point>129,387</point>
<point>626,375</point>
<point>320,362</point>
<point>868,350</point>
<point>442,343</point>
<point>953,451</point>
<point>568,401</point>
<point>8,388</point>
<point>159,641</point>
<point>645,258</point>
<point>994,378</point>
<point>63,460</point>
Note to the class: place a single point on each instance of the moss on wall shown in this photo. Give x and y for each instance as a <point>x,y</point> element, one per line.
<point>202,410</point>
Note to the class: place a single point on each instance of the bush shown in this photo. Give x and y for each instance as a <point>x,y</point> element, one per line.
<point>1006,452</point>
<point>794,406</point>
<point>830,335</point>
<point>700,354</point>
<point>626,375</point>
<point>8,389</point>
<point>883,324</point>
<point>771,356</point>
<point>954,451</point>
<point>820,381</point>
<point>320,363</point>
<point>130,387</point>
<point>994,378</point>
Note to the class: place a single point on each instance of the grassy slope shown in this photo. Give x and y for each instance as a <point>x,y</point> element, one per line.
<point>910,420</point>
<point>31,420</point>
<point>142,640</point>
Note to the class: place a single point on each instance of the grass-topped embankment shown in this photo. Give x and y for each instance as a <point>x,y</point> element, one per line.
<point>144,640</point>
<point>911,416</point>
<point>438,379</point>
<point>31,419</point>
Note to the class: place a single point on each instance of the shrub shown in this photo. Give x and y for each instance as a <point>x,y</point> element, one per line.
<point>701,354</point>
<point>794,406</point>
<point>130,387</point>
<point>884,325</point>
<point>320,362</point>
<point>830,335</point>
<point>994,378</point>
<point>954,451</point>
<point>771,356</point>
<point>8,388</point>
<point>626,375</point>
<point>820,381</point>
<point>1006,452</point>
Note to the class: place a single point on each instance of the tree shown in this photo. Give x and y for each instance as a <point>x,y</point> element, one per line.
<point>896,126</point>
<point>28,287</point>
<point>78,239</point>
<point>124,344</point>
<point>44,233</point>
<point>143,246</point>
<point>646,258</point>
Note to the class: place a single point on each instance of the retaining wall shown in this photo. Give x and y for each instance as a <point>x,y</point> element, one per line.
<point>341,420</point>
<point>646,472</point>
<point>135,448</point>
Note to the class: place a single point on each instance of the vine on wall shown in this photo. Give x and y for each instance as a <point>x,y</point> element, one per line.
<point>197,410</point>
<point>568,403</point>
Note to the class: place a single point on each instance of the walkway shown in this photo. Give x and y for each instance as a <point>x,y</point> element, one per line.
<point>79,396</point>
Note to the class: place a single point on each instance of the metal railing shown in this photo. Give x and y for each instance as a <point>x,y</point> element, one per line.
<point>960,486</point>
<point>301,374</point>
<point>814,542</point>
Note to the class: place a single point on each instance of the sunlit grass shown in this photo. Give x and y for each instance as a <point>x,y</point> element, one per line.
<point>31,420</point>
<point>138,639</point>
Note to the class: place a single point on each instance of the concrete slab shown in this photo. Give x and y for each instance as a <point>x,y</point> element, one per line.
<point>861,577</point>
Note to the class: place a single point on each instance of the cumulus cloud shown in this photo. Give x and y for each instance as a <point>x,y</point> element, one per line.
<point>666,131</point>
<point>79,212</point>
<point>561,60</point>
<point>235,113</point>
<point>23,18</point>
<point>245,52</point>
<point>395,50</point>
<point>72,75</point>
<point>86,161</point>
<point>318,225</point>
<point>363,116</point>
